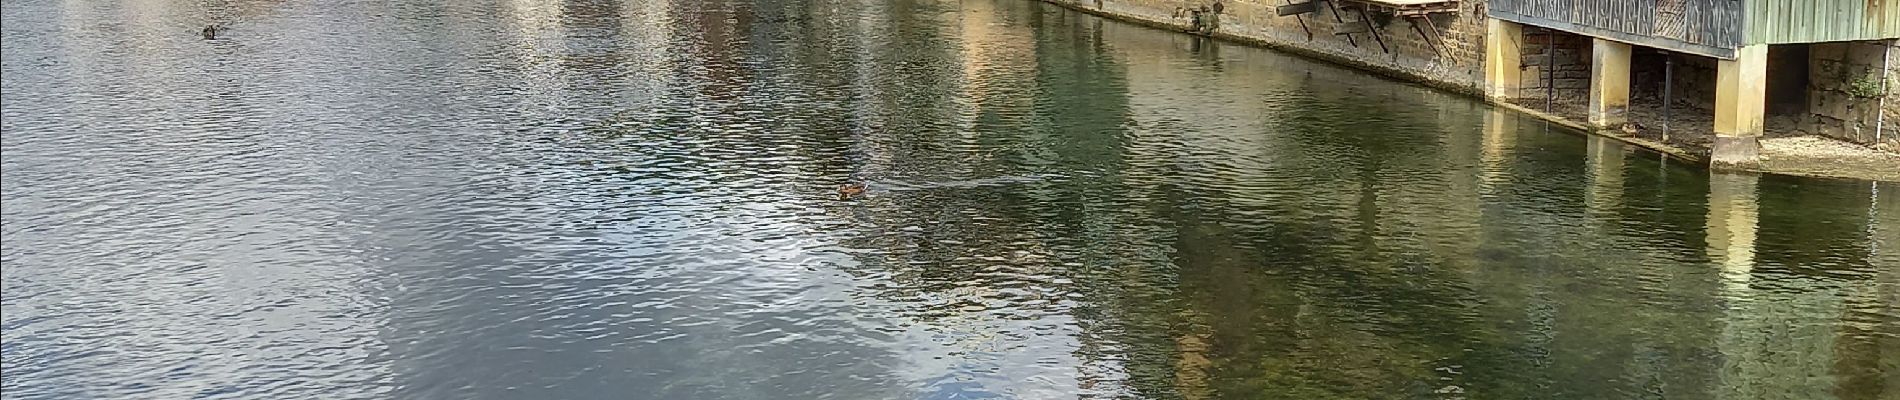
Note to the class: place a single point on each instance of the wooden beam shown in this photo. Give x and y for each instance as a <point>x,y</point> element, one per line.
<point>1342,21</point>
<point>1302,20</point>
<point>1297,8</point>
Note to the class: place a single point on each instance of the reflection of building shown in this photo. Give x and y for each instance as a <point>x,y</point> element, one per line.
<point>716,47</point>
<point>997,76</point>
<point>1604,158</point>
<point>1763,336</point>
<point>996,57</point>
<point>1500,136</point>
<point>1797,336</point>
<point>1733,216</point>
<point>1871,351</point>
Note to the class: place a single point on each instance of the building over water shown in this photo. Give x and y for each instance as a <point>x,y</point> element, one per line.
<point>1816,63</point>
<point>1729,71</point>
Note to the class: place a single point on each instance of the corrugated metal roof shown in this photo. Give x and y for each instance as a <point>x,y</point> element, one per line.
<point>1710,27</point>
<point>1810,21</point>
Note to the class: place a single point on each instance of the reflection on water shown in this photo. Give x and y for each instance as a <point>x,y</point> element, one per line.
<point>543,199</point>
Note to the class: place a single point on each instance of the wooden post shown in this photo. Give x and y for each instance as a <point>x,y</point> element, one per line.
<point>1669,90</point>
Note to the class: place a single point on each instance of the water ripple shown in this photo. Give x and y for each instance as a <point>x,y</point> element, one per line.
<point>343,199</point>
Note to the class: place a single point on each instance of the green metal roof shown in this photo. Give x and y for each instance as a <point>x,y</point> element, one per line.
<point>1810,21</point>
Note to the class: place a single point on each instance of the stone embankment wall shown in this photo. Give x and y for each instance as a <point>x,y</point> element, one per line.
<point>1568,67</point>
<point>1452,58</point>
<point>1693,80</point>
<point>1844,92</point>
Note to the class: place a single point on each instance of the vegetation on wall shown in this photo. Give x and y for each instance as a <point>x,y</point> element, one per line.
<point>1865,87</point>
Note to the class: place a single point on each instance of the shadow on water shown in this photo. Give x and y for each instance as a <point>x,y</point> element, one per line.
<point>534,199</point>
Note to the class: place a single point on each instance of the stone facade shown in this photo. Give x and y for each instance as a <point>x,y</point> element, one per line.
<point>1453,58</point>
<point>1844,95</point>
<point>1891,110</point>
<point>1570,64</point>
<point>1693,80</point>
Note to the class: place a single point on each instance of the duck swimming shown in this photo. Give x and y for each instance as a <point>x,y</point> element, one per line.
<point>210,32</point>
<point>850,190</point>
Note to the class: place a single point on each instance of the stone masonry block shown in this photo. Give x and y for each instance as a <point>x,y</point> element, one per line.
<point>1829,127</point>
<point>1827,68</point>
<point>1864,110</point>
<point>1833,104</point>
<point>1865,54</point>
<point>1821,82</point>
<point>1827,51</point>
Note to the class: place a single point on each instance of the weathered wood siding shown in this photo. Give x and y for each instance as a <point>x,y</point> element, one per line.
<point>1810,21</point>
<point>1707,27</point>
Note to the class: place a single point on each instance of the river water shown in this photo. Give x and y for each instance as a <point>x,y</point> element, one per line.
<point>637,199</point>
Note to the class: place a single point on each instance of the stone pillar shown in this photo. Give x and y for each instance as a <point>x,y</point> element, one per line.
<point>1741,91</point>
<point>1609,83</point>
<point>1503,60</point>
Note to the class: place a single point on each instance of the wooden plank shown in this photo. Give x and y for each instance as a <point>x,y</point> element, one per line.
<point>1297,8</point>
<point>1411,7</point>
<point>1302,21</point>
<point>1396,3</point>
<point>1334,5</point>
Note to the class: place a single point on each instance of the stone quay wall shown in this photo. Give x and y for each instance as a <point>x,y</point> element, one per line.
<point>1844,95</point>
<point>1452,58</point>
<point>1562,58</point>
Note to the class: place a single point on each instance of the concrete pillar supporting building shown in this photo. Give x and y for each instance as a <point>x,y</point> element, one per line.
<point>1609,83</point>
<point>1741,91</point>
<point>1503,60</point>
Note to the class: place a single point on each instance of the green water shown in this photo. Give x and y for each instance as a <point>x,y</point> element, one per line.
<point>636,199</point>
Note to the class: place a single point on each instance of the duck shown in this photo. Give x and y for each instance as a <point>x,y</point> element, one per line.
<point>210,32</point>
<point>850,190</point>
